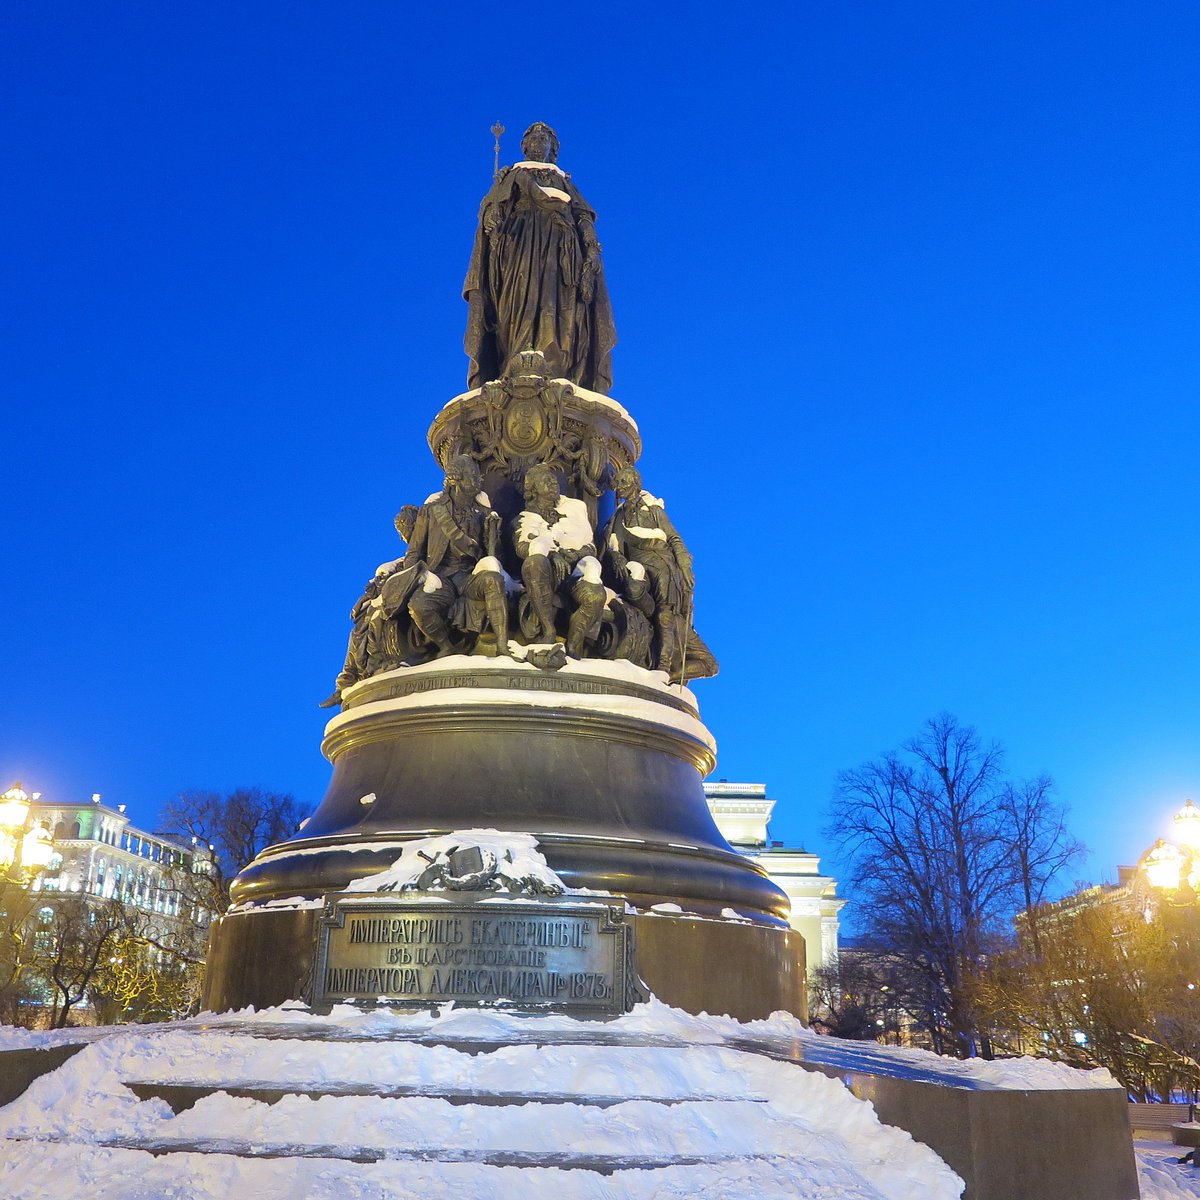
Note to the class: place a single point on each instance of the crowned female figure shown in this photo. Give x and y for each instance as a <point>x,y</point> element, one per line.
<point>535,280</point>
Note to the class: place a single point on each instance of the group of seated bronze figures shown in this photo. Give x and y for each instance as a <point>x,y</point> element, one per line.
<point>625,594</point>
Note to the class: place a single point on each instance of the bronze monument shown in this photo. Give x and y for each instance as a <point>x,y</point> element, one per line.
<point>520,674</point>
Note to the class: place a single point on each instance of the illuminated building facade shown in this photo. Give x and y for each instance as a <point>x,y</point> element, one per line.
<point>742,812</point>
<point>99,854</point>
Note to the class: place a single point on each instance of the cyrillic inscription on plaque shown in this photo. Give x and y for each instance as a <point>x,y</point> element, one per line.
<point>547,953</point>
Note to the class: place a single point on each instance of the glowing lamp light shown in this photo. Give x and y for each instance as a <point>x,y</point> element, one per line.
<point>8,849</point>
<point>37,847</point>
<point>1187,826</point>
<point>1163,865</point>
<point>14,806</point>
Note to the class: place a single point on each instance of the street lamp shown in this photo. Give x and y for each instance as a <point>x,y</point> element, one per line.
<point>1163,865</point>
<point>1187,827</point>
<point>22,847</point>
<point>1172,867</point>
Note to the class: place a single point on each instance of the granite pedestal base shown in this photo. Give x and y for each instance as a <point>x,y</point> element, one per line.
<point>1010,1144</point>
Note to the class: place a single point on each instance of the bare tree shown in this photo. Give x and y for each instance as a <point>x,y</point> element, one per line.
<point>856,996</point>
<point>939,862</point>
<point>72,947</point>
<point>1043,847</point>
<point>17,905</point>
<point>236,827</point>
<point>140,981</point>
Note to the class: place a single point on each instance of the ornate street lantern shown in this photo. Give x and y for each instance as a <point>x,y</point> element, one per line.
<point>1163,865</point>
<point>1187,827</point>
<point>14,808</point>
<point>37,848</point>
<point>22,847</point>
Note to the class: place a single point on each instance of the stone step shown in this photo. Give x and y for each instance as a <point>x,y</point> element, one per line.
<point>182,1096</point>
<point>565,1160</point>
<point>595,1033</point>
<point>371,1128</point>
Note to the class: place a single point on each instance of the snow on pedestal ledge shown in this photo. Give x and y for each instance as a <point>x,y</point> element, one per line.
<point>619,670</point>
<point>613,703</point>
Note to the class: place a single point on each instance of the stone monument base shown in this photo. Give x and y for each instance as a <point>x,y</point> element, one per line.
<point>601,762</point>
<point>265,957</point>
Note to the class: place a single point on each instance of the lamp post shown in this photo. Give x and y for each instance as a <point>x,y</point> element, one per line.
<point>25,848</point>
<point>1167,891</point>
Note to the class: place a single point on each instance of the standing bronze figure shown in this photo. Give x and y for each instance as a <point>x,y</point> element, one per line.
<point>535,280</point>
<point>643,548</point>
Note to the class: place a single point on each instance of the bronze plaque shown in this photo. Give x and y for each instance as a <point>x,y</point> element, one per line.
<point>561,954</point>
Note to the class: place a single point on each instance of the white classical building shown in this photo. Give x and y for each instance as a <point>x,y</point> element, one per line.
<point>99,854</point>
<point>742,812</point>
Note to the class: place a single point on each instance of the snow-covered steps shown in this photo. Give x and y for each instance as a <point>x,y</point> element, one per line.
<point>358,1109</point>
<point>656,1103</point>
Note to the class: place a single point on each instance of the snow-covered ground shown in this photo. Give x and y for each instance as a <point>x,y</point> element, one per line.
<point>1161,1175</point>
<point>467,1101</point>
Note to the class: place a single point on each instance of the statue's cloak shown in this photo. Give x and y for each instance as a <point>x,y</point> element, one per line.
<point>525,287</point>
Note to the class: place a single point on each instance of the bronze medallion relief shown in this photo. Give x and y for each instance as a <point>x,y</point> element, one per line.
<point>524,425</point>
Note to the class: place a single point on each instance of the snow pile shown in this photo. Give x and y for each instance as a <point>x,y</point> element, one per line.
<point>13,1037</point>
<point>516,855</point>
<point>635,708</point>
<point>454,1101</point>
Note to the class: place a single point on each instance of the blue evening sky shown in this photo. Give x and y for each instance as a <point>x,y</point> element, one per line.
<point>907,297</point>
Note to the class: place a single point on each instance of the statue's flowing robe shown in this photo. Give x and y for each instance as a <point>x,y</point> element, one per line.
<point>525,284</point>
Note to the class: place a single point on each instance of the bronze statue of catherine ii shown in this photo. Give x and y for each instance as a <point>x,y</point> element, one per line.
<point>535,280</point>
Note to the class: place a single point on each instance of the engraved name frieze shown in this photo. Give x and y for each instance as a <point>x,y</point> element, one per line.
<point>528,683</point>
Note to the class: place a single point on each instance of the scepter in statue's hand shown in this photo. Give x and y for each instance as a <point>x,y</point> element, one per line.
<point>497,130</point>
